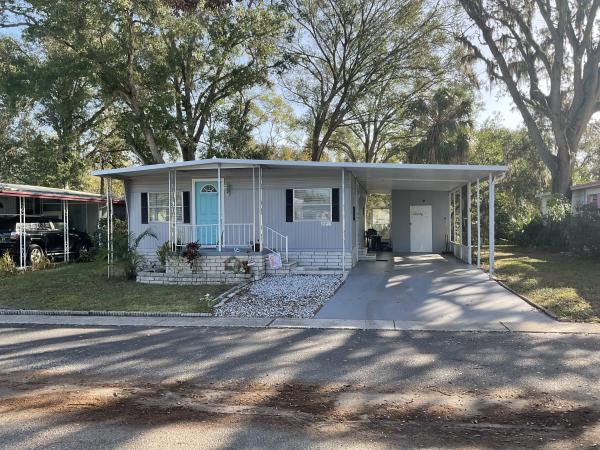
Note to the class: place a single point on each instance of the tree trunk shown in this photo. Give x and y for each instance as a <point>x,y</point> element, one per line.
<point>561,175</point>
<point>188,152</point>
<point>315,148</point>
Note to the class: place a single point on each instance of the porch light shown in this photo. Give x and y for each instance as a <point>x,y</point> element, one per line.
<point>228,189</point>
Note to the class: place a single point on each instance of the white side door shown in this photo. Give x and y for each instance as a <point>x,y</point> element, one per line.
<point>421,229</point>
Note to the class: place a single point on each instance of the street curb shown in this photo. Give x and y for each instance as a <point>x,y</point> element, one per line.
<point>531,302</point>
<point>57,312</point>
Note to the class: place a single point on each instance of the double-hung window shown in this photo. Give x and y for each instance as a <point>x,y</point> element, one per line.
<point>158,207</point>
<point>312,205</point>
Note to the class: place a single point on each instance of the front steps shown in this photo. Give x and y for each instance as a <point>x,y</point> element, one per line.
<point>364,255</point>
<point>294,268</point>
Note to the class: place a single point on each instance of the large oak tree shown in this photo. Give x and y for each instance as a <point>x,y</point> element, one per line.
<point>547,55</point>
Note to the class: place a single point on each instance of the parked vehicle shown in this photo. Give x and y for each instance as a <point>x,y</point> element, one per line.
<point>44,237</point>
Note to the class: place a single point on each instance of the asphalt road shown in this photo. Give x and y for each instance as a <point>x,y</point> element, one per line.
<point>64,387</point>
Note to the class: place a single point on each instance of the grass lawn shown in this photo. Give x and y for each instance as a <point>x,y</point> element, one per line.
<point>84,286</point>
<point>569,286</point>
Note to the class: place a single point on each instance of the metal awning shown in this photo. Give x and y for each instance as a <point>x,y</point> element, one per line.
<point>31,191</point>
<point>375,178</point>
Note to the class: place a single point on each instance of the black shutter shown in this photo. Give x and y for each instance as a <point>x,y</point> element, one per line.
<point>186,206</point>
<point>144,207</point>
<point>335,205</point>
<point>289,205</point>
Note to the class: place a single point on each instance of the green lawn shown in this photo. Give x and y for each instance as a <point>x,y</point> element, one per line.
<point>567,285</point>
<point>84,286</point>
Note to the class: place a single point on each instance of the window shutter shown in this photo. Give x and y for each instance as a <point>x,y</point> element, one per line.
<point>186,206</point>
<point>289,205</point>
<point>144,207</point>
<point>335,205</point>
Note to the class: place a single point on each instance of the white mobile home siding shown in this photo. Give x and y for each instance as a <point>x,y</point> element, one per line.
<point>238,206</point>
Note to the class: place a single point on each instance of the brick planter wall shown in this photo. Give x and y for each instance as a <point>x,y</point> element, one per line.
<point>323,259</point>
<point>207,269</point>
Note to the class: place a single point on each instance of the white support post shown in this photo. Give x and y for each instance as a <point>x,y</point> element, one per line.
<point>22,234</point>
<point>66,244</point>
<point>253,211</point>
<point>343,213</point>
<point>492,237</point>
<point>220,236</point>
<point>169,210</point>
<point>478,228</point>
<point>450,225</point>
<point>460,213</point>
<point>469,247</point>
<point>109,226</point>
<point>175,210</point>
<point>260,209</point>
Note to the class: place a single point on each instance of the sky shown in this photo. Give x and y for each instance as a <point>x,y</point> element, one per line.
<point>496,103</point>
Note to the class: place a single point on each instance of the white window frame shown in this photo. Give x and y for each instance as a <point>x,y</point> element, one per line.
<point>312,220</point>
<point>178,206</point>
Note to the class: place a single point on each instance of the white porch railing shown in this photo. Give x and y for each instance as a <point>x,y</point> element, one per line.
<point>275,242</point>
<point>237,235</point>
<point>232,234</point>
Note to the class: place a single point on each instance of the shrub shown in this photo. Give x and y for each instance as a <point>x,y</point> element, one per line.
<point>7,265</point>
<point>583,231</point>
<point>544,232</point>
<point>41,264</point>
<point>85,256</point>
<point>125,246</point>
<point>550,230</point>
<point>163,252</point>
<point>191,253</point>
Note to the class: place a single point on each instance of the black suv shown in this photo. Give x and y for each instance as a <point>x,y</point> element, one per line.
<point>44,236</point>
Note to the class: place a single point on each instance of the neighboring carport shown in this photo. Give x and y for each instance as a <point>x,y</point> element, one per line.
<point>425,288</point>
<point>73,209</point>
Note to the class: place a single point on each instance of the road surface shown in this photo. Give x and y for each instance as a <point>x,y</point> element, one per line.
<point>217,388</point>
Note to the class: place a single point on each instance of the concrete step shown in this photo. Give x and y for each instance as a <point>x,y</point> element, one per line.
<point>367,257</point>
<point>308,270</point>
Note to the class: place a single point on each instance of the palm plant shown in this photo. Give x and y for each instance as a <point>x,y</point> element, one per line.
<point>445,122</point>
<point>125,251</point>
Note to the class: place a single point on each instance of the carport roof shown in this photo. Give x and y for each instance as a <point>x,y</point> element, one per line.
<point>374,177</point>
<point>48,193</point>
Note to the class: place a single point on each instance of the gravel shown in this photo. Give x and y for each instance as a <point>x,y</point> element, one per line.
<point>296,296</point>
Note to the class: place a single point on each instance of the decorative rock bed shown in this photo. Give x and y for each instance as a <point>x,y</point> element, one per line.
<point>295,296</point>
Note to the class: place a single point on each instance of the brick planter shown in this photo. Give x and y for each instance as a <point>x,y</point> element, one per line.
<point>207,269</point>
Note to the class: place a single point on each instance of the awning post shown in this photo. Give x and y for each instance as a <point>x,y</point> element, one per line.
<point>109,226</point>
<point>253,211</point>
<point>22,234</point>
<point>66,244</point>
<point>469,246</point>
<point>343,220</point>
<point>260,208</point>
<point>478,228</point>
<point>175,211</point>
<point>492,238</point>
<point>219,233</point>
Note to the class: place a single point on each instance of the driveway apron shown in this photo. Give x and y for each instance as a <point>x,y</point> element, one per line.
<point>425,288</point>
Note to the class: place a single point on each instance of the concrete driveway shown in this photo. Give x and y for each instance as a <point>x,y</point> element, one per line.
<point>425,288</point>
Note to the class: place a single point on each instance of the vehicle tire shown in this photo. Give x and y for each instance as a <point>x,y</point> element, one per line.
<point>35,254</point>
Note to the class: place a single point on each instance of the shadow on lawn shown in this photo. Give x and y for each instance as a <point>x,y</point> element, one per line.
<point>566,284</point>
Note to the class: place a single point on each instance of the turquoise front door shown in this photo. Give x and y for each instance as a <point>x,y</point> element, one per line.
<point>207,212</point>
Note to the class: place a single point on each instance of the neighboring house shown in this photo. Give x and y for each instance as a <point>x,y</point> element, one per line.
<point>581,194</point>
<point>585,194</point>
<point>310,212</point>
<point>76,209</point>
